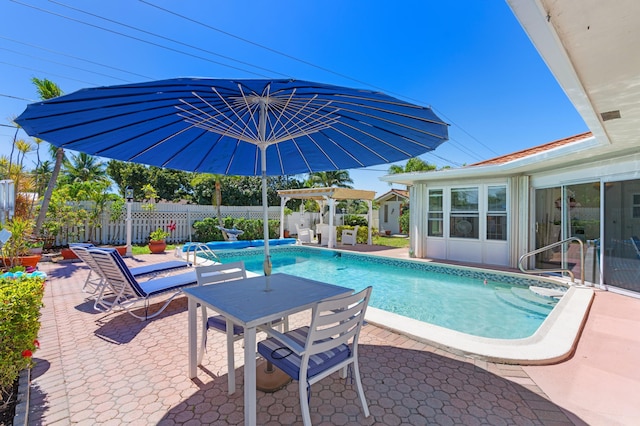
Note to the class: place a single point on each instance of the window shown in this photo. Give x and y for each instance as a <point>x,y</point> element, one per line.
<point>386,213</point>
<point>435,225</point>
<point>636,206</point>
<point>497,213</point>
<point>464,218</point>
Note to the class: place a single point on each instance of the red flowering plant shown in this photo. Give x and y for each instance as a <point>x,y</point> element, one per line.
<point>20,303</point>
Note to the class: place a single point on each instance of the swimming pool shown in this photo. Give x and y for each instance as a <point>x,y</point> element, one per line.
<point>475,302</point>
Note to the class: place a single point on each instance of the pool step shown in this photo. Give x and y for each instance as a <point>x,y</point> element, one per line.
<point>525,300</point>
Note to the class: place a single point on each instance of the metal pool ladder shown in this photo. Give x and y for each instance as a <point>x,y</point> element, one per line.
<point>559,270</point>
<point>196,248</point>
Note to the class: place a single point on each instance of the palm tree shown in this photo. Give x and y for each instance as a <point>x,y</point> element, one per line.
<point>337,178</point>
<point>84,168</point>
<point>414,164</point>
<point>48,90</point>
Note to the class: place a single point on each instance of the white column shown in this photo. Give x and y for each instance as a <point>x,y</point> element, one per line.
<point>128,252</point>
<point>369,220</point>
<point>332,213</point>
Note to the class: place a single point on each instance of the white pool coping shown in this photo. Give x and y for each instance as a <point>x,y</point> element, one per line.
<point>554,341</point>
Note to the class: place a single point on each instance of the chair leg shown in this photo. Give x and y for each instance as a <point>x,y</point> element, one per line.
<point>203,338</point>
<point>363,400</point>
<point>304,401</point>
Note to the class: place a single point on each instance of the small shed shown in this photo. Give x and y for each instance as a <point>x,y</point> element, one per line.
<point>391,204</point>
<point>330,195</point>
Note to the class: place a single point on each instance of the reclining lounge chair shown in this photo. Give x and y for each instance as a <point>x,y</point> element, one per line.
<point>122,290</point>
<point>94,280</point>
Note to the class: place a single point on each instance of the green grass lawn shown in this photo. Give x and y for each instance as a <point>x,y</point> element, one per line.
<point>137,250</point>
<point>399,242</point>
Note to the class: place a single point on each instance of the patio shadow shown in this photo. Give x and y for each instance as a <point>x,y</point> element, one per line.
<point>120,327</point>
<point>401,385</point>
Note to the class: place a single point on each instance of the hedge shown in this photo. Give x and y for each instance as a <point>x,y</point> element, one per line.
<point>20,302</point>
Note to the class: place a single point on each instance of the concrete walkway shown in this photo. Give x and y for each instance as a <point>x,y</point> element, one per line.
<point>113,369</point>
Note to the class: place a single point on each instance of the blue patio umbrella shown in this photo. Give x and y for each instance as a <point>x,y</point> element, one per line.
<point>237,127</point>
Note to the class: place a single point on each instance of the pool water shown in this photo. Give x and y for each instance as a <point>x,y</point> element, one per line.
<point>486,304</point>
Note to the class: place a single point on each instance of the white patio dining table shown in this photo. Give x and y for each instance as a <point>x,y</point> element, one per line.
<point>248,303</point>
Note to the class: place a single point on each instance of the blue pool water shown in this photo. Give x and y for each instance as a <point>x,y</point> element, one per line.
<point>481,303</point>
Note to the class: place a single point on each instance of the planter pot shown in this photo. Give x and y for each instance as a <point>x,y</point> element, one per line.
<point>26,261</point>
<point>122,250</point>
<point>286,233</point>
<point>68,254</point>
<point>157,246</point>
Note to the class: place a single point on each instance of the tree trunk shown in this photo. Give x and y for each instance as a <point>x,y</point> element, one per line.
<point>218,204</point>
<point>49,191</point>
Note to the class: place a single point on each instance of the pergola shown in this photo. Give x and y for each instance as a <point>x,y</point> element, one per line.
<point>330,195</point>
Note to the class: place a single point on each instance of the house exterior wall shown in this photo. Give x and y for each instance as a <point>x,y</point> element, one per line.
<point>462,231</point>
<point>521,210</point>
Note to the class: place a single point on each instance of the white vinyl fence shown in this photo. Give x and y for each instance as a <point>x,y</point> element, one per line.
<point>183,215</point>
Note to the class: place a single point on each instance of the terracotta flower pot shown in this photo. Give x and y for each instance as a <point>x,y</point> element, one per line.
<point>122,250</point>
<point>68,254</point>
<point>26,261</point>
<point>157,246</point>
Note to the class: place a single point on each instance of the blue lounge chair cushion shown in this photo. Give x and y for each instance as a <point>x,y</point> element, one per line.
<point>276,352</point>
<point>161,285</point>
<point>159,267</point>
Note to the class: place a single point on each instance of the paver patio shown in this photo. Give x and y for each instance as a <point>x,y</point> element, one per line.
<point>113,369</point>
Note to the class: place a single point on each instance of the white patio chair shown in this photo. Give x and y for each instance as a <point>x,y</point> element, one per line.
<point>122,290</point>
<point>305,235</point>
<point>350,236</point>
<point>329,344</point>
<point>214,274</point>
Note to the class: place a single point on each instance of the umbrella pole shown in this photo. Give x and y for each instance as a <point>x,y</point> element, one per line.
<point>262,127</point>
<point>268,378</point>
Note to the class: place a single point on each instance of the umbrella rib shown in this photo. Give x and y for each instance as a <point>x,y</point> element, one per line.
<point>218,125</point>
<point>313,124</point>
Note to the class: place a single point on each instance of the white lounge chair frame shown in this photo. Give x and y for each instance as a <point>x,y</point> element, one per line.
<point>95,281</point>
<point>121,290</point>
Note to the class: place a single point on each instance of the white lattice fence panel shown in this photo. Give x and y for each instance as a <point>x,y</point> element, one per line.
<point>144,221</point>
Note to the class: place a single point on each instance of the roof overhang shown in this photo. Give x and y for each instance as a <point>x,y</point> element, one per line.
<point>591,47</point>
<point>326,193</point>
<point>562,156</point>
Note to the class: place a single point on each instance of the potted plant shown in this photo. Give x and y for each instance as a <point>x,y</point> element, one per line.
<point>15,251</point>
<point>157,243</point>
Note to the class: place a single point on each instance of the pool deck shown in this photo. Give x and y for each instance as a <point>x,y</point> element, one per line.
<point>96,368</point>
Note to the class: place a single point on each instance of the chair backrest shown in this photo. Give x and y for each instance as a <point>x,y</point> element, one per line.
<point>337,321</point>
<point>211,274</point>
<point>83,254</point>
<point>116,273</point>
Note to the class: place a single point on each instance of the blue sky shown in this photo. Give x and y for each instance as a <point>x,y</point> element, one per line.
<point>469,60</point>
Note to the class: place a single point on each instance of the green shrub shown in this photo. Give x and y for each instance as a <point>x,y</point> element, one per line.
<point>206,230</point>
<point>361,238</point>
<point>355,220</point>
<point>20,303</point>
<point>404,222</point>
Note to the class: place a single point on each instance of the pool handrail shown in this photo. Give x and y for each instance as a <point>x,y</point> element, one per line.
<point>199,247</point>
<point>559,270</point>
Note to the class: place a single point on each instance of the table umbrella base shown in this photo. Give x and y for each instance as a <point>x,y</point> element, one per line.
<point>269,378</point>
